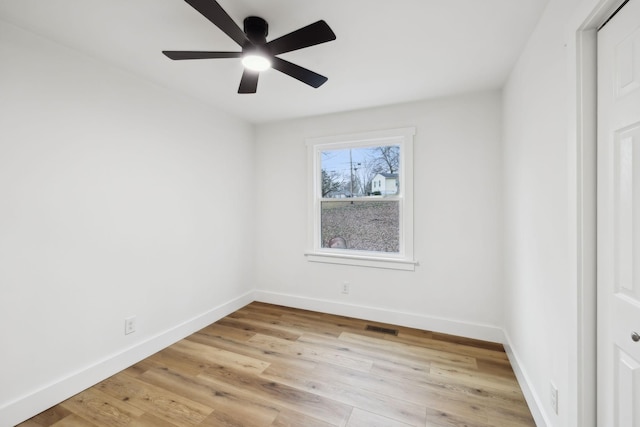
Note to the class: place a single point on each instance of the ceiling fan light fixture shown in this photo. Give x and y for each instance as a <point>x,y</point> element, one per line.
<point>256,62</point>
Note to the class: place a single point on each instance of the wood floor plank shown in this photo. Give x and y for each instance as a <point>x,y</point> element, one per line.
<point>216,356</point>
<point>149,420</point>
<point>352,379</point>
<point>101,409</point>
<point>163,403</point>
<point>313,352</point>
<point>179,361</point>
<point>74,420</point>
<point>474,377</point>
<point>311,324</point>
<point>288,418</point>
<point>140,367</point>
<point>495,367</point>
<point>225,401</point>
<point>252,349</point>
<point>280,394</point>
<point>519,417</point>
<point>424,353</point>
<point>331,387</point>
<point>450,347</point>
<point>443,418</point>
<point>257,327</point>
<point>218,330</point>
<point>467,341</point>
<point>226,419</point>
<point>360,418</point>
<point>412,374</point>
<point>392,361</point>
<point>273,366</point>
<point>48,417</point>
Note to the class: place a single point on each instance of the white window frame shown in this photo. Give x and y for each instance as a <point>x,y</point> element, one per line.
<point>403,260</point>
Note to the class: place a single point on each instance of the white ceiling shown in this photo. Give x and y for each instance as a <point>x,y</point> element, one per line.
<point>386,52</point>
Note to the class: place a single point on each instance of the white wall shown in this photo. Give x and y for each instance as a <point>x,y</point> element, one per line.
<point>541,217</point>
<point>108,209</point>
<point>458,214</point>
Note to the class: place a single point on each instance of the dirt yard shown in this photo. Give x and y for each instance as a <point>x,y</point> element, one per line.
<point>365,226</point>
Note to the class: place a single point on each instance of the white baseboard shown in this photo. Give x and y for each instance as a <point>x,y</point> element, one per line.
<point>412,320</point>
<point>532,398</point>
<point>49,395</point>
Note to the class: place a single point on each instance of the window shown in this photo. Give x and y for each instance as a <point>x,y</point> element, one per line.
<point>360,199</point>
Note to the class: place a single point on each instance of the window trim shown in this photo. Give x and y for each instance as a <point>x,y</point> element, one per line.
<point>403,260</point>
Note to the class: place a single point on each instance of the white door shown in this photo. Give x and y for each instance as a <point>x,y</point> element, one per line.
<point>619,219</point>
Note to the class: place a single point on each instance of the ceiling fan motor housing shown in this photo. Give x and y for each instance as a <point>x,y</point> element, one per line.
<point>256,29</point>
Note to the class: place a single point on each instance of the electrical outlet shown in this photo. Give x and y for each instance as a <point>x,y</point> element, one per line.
<point>554,398</point>
<point>345,288</point>
<point>129,325</point>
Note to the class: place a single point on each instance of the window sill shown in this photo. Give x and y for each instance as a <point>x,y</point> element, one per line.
<point>362,261</point>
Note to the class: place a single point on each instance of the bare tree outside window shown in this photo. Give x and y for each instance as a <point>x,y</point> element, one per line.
<point>387,158</point>
<point>331,183</point>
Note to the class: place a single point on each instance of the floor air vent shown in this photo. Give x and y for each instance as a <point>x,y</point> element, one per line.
<point>382,330</point>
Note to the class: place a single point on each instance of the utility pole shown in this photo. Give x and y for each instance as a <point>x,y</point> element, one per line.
<point>351,171</point>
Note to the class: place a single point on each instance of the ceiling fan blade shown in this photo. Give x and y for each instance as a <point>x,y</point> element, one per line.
<point>313,34</point>
<point>211,10</point>
<point>297,72</point>
<point>249,82</point>
<point>189,54</point>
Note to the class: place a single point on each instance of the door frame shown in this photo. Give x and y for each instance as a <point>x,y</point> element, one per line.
<point>582,36</point>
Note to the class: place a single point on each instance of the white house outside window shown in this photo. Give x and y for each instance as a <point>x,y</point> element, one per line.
<point>361,199</point>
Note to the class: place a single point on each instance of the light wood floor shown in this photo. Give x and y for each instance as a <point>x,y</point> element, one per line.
<point>267,365</point>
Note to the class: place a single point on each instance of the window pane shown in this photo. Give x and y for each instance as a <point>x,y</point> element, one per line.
<point>360,172</point>
<point>361,225</point>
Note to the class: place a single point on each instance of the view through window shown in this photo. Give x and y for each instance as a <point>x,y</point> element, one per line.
<point>360,200</point>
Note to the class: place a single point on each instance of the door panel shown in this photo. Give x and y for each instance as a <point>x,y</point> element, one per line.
<point>619,219</point>
<point>628,378</point>
<point>627,72</point>
<point>627,201</point>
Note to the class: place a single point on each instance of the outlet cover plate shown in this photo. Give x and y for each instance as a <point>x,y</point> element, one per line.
<point>129,325</point>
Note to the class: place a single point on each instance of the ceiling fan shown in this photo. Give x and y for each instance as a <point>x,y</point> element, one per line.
<point>257,54</point>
